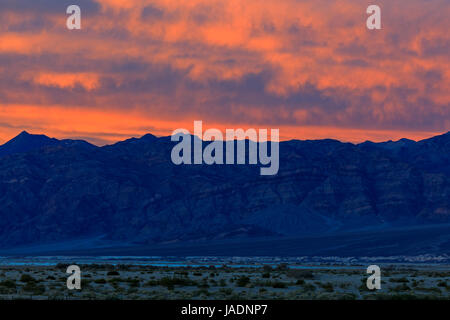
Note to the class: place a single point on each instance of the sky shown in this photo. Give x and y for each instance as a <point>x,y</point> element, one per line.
<point>309,68</point>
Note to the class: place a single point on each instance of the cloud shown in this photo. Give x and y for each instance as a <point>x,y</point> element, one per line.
<point>286,64</point>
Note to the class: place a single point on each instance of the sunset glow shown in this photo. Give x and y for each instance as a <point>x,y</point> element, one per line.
<point>310,68</point>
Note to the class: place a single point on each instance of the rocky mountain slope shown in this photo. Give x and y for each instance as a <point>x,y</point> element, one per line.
<point>53,190</point>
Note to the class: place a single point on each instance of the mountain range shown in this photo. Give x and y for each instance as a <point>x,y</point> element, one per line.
<point>130,194</point>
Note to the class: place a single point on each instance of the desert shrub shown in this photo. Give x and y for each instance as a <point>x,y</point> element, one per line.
<point>282,267</point>
<point>242,281</point>
<point>202,292</point>
<point>33,288</point>
<point>433,290</point>
<point>124,267</point>
<point>344,285</point>
<point>133,282</point>
<point>170,287</point>
<point>279,285</point>
<point>300,274</point>
<point>27,278</point>
<point>170,283</point>
<point>399,280</point>
<point>267,268</point>
<point>8,284</point>
<point>226,291</point>
<point>347,296</point>
<point>84,283</point>
<point>100,281</point>
<point>203,284</point>
<point>328,287</point>
<point>176,281</point>
<point>400,288</point>
<point>213,282</point>
<point>4,290</point>
<point>309,287</point>
<point>116,280</point>
<point>152,283</point>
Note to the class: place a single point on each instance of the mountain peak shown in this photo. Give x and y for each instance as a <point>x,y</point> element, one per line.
<point>26,134</point>
<point>25,142</point>
<point>23,134</point>
<point>148,136</point>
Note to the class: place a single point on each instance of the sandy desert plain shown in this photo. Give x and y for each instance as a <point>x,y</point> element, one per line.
<point>137,282</point>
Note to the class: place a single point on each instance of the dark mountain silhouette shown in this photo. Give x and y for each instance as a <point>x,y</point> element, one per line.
<point>56,191</point>
<point>26,142</point>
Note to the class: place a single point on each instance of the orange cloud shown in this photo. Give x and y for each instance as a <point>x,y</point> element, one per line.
<point>89,81</point>
<point>289,64</point>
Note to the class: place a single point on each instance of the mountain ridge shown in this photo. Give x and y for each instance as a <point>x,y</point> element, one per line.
<point>25,142</point>
<point>131,192</point>
<point>149,136</point>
